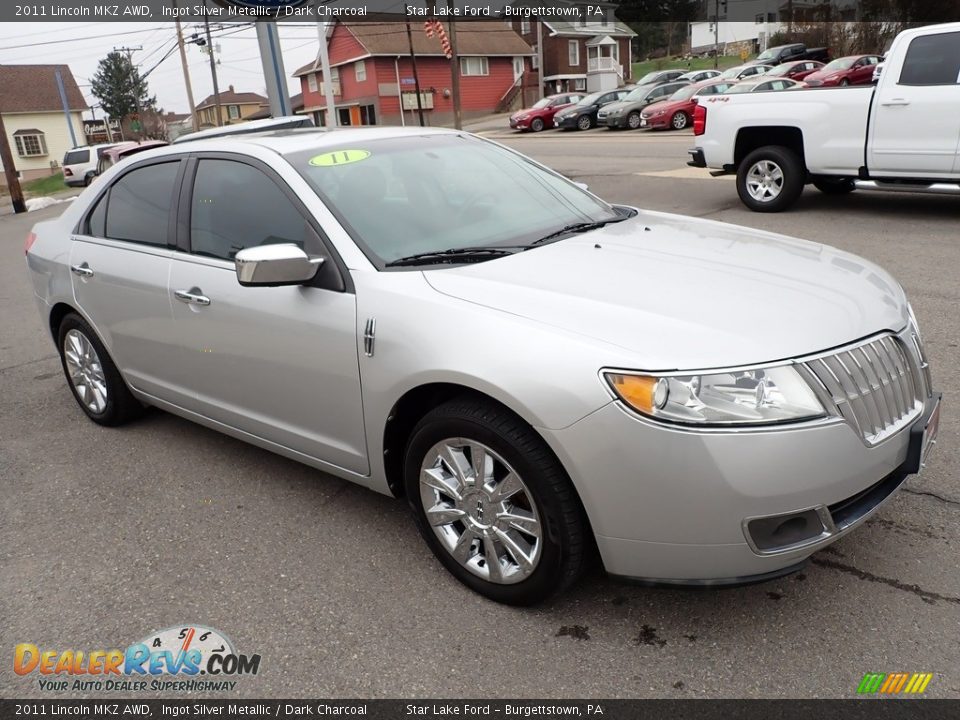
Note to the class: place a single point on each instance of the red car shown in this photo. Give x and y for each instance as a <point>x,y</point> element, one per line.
<point>796,70</point>
<point>850,70</point>
<point>540,116</point>
<point>676,112</point>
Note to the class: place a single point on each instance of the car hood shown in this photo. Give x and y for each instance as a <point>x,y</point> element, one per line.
<point>666,105</point>
<point>531,111</point>
<point>576,109</point>
<point>686,294</point>
<point>821,75</point>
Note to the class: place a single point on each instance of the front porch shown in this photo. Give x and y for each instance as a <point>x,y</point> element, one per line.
<point>604,71</point>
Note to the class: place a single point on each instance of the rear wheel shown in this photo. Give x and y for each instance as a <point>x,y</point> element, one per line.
<point>493,503</point>
<point>94,380</point>
<point>679,121</point>
<point>584,122</point>
<point>537,125</point>
<point>835,186</point>
<point>770,179</point>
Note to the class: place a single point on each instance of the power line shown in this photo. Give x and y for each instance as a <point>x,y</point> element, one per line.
<point>69,40</point>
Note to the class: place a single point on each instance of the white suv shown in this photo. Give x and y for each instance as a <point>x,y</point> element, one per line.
<point>80,164</point>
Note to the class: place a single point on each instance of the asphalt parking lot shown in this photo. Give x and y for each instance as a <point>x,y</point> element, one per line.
<point>110,534</point>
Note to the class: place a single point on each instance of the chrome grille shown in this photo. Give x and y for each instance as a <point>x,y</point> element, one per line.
<point>875,386</point>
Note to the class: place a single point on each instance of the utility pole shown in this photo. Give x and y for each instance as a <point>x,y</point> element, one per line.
<point>416,78</point>
<point>540,91</point>
<point>213,68</point>
<point>136,90</point>
<point>455,72</point>
<point>273,70</point>
<point>10,171</point>
<point>716,34</point>
<point>186,75</point>
<point>327,72</point>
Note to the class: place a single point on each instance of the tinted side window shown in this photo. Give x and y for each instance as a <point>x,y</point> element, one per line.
<point>97,221</point>
<point>932,60</point>
<point>139,204</point>
<point>76,157</point>
<point>236,206</point>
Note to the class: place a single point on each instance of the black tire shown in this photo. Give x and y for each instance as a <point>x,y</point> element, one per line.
<point>844,83</point>
<point>87,179</point>
<point>679,121</point>
<point>835,186</point>
<point>562,520</point>
<point>633,120</point>
<point>793,178</point>
<point>537,124</point>
<point>584,122</point>
<point>121,406</point>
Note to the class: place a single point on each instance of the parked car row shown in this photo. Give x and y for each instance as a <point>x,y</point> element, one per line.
<point>82,164</point>
<point>666,99</point>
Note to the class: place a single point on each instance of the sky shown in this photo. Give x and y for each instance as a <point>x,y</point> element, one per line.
<point>81,45</point>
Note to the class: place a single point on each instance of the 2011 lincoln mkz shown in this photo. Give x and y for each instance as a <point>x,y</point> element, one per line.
<point>549,380</point>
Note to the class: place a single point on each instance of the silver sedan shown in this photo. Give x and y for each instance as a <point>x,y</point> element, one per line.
<point>539,373</point>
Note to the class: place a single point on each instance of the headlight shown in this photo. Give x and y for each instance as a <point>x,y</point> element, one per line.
<point>736,397</point>
<point>913,321</point>
<point>522,117</point>
<point>658,113</point>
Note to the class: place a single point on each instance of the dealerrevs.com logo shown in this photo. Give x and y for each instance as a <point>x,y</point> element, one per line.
<point>184,658</point>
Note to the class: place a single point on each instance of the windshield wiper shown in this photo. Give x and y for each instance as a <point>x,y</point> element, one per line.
<point>580,227</point>
<point>466,254</point>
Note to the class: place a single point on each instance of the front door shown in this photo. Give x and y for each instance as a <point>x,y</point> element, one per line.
<point>916,126</point>
<point>279,363</point>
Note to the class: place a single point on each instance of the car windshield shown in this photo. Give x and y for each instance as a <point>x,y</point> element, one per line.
<point>76,157</point>
<point>545,102</point>
<point>649,78</point>
<point>739,88</point>
<point>781,70</point>
<point>592,99</point>
<point>732,72</point>
<point>685,93</point>
<point>639,93</point>
<point>418,194</point>
<point>770,54</point>
<point>839,64</point>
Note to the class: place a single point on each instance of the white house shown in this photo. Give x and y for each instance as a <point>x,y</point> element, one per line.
<point>32,102</point>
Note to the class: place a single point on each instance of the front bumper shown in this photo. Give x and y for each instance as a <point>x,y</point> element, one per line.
<point>675,507</point>
<point>567,123</point>
<point>519,124</point>
<point>660,122</point>
<point>612,121</point>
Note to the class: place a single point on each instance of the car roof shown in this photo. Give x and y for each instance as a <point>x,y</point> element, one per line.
<point>287,141</point>
<point>252,126</point>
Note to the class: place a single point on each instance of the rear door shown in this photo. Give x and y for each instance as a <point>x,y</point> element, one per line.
<point>915,123</point>
<point>120,260</point>
<point>280,363</point>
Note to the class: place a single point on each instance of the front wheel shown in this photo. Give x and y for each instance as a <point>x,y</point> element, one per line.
<point>835,186</point>
<point>770,179</point>
<point>584,122</point>
<point>493,503</point>
<point>679,121</point>
<point>633,120</point>
<point>536,125</point>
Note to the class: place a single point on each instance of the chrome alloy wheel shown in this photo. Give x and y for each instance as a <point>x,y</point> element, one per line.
<point>85,371</point>
<point>481,511</point>
<point>764,181</point>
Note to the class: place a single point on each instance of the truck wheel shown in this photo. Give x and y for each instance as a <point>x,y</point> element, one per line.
<point>770,179</point>
<point>835,186</point>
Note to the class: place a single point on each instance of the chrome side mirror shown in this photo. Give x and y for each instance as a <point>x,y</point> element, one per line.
<point>273,265</point>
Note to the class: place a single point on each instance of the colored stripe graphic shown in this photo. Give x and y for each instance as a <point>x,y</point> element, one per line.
<point>894,683</point>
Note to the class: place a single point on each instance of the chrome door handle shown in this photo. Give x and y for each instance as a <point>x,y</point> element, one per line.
<point>896,102</point>
<point>192,296</point>
<point>83,270</point>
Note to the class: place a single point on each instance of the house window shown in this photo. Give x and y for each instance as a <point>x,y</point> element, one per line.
<point>368,115</point>
<point>233,111</point>
<point>474,66</point>
<point>580,84</point>
<point>360,68</point>
<point>312,82</point>
<point>30,143</point>
<point>524,27</point>
<point>535,60</point>
<point>573,52</point>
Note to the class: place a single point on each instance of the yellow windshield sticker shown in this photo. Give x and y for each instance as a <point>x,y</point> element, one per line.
<point>339,157</point>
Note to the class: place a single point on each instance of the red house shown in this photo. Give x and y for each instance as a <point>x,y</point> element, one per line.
<point>372,74</point>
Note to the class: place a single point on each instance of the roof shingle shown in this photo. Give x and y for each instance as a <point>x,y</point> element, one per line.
<point>231,97</point>
<point>33,88</point>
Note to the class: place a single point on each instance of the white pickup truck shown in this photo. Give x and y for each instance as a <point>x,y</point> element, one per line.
<point>903,134</point>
